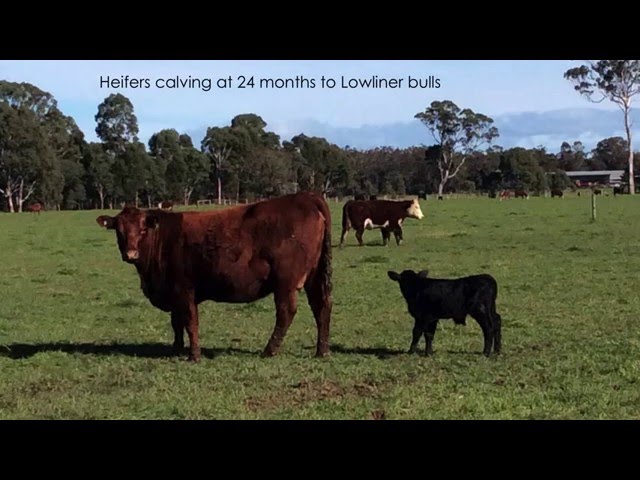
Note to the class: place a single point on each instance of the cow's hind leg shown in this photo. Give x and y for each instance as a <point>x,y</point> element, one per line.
<point>386,236</point>
<point>343,236</point>
<point>321,305</point>
<point>187,314</point>
<point>286,306</point>
<point>397,232</point>
<point>178,324</point>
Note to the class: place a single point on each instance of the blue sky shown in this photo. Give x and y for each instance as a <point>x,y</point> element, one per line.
<point>530,101</point>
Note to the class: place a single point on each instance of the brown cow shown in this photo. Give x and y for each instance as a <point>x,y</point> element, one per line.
<point>166,205</point>
<point>504,195</point>
<point>521,194</point>
<point>236,255</point>
<point>556,192</point>
<point>35,208</point>
<point>387,215</point>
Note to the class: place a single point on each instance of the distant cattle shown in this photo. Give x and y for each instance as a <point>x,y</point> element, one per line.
<point>166,205</point>
<point>618,190</point>
<point>504,195</point>
<point>35,208</point>
<point>359,197</point>
<point>236,255</point>
<point>521,194</point>
<point>597,191</point>
<point>432,299</point>
<point>387,215</point>
<point>556,192</point>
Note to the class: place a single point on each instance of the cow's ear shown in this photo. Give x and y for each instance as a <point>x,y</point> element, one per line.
<point>152,220</point>
<point>393,276</point>
<point>423,273</point>
<point>106,221</point>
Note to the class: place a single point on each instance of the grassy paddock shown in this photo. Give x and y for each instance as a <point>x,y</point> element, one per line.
<point>79,340</point>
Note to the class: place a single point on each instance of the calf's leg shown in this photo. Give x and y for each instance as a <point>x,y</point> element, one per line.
<point>483,316</point>
<point>418,329</point>
<point>430,326</point>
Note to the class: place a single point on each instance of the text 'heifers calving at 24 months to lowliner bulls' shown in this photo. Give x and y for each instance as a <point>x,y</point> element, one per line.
<point>252,82</point>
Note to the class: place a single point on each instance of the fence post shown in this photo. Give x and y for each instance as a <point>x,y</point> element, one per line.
<point>593,207</point>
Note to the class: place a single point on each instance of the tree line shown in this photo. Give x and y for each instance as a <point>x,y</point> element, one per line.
<point>45,158</point>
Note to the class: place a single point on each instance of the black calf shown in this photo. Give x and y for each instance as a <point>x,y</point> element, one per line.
<point>431,299</point>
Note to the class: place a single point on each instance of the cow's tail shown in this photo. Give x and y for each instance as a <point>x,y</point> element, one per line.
<point>324,271</point>
<point>346,223</point>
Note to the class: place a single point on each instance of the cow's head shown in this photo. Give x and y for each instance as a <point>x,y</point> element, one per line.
<point>414,210</point>
<point>131,226</point>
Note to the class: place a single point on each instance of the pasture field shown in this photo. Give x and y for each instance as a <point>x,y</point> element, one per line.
<point>78,340</point>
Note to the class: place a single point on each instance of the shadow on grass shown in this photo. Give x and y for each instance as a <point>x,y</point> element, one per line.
<point>462,352</point>
<point>380,352</point>
<point>143,350</point>
<point>367,244</point>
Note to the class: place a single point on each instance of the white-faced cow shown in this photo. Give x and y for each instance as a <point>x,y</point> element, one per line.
<point>387,215</point>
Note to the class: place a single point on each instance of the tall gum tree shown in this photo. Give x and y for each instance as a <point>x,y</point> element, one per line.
<point>615,80</point>
<point>458,134</point>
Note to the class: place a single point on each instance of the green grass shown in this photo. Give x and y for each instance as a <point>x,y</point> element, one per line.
<point>78,340</point>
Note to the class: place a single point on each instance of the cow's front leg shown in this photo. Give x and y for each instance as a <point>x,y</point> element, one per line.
<point>286,301</point>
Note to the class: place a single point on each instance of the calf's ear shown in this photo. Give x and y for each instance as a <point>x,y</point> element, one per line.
<point>393,276</point>
<point>423,273</point>
<point>106,221</point>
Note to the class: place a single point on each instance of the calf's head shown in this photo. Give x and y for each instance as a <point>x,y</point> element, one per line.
<point>408,280</point>
<point>131,226</point>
